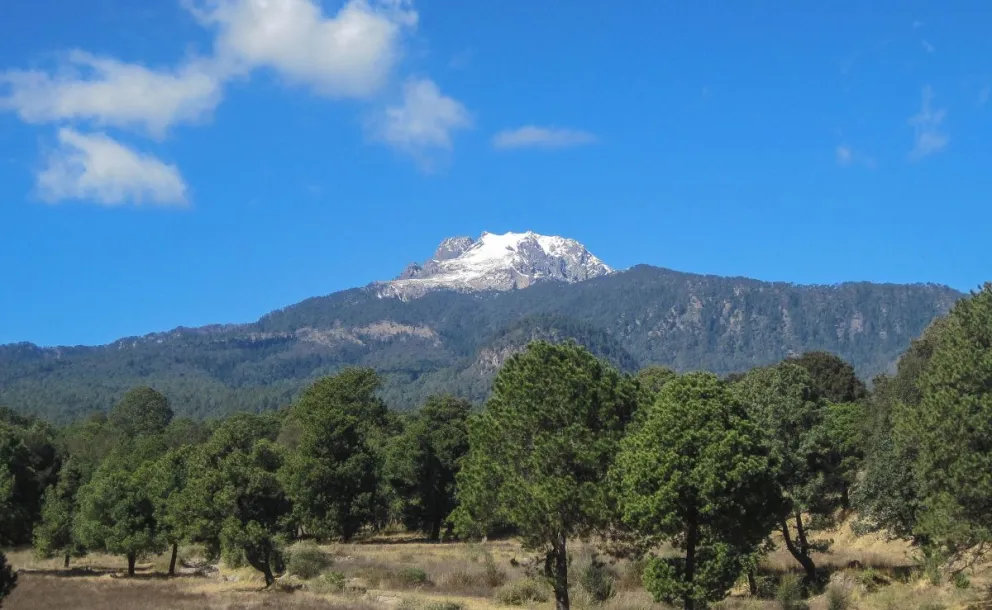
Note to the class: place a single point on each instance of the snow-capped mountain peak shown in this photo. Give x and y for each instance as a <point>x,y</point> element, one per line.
<point>497,262</point>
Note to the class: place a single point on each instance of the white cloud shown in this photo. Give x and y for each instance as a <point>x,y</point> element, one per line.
<point>351,54</point>
<point>94,167</point>
<point>112,93</point>
<point>531,136</point>
<point>929,138</point>
<point>845,155</point>
<point>425,120</point>
<point>848,156</point>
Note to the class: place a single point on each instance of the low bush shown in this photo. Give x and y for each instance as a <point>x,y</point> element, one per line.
<point>520,592</point>
<point>329,582</point>
<point>307,560</point>
<point>838,597</point>
<point>789,594</point>
<point>412,576</point>
<point>445,605</point>
<point>598,579</point>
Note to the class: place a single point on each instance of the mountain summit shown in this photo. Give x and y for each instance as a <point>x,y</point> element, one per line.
<point>496,262</point>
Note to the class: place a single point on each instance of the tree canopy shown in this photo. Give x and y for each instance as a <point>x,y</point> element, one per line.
<point>698,472</point>
<point>540,450</point>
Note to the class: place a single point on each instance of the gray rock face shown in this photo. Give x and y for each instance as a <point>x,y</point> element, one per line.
<point>496,262</point>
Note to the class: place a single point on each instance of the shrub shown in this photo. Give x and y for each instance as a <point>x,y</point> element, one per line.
<point>598,580</point>
<point>445,605</point>
<point>871,579</point>
<point>412,576</point>
<point>495,577</point>
<point>960,580</point>
<point>307,561</point>
<point>837,598</point>
<point>329,582</point>
<point>790,593</point>
<point>521,592</point>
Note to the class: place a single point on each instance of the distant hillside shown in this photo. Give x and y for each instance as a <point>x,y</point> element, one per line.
<point>454,341</point>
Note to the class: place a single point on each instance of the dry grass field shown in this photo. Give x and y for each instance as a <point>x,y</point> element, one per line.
<point>402,573</point>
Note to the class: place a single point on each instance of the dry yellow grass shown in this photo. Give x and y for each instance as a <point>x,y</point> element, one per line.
<point>456,573</point>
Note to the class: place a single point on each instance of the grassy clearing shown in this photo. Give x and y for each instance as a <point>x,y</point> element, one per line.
<point>403,573</point>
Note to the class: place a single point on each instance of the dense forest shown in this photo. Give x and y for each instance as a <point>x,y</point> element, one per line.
<point>453,343</point>
<point>567,446</point>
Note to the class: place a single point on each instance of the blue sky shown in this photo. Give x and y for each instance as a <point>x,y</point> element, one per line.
<point>183,162</point>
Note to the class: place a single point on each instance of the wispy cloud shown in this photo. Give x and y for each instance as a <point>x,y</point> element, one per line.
<point>984,95</point>
<point>96,168</point>
<point>112,93</point>
<point>531,136</point>
<point>423,122</point>
<point>847,156</point>
<point>929,48</point>
<point>844,155</point>
<point>917,24</point>
<point>929,138</point>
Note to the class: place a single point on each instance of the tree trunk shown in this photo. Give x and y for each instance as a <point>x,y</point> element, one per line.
<point>752,582</point>
<point>259,559</point>
<point>556,570</point>
<point>435,534</point>
<point>691,538</point>
<point>131,558</point>
<point>845,496</point>
<point>65,562</point>
<point>172,562</point>
<point>803,558</point>
<point>801,535</point>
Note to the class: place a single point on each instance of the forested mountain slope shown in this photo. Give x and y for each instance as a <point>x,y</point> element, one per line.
<point>453,341</point>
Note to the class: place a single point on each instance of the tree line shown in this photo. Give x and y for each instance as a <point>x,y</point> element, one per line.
<point>566,447</point>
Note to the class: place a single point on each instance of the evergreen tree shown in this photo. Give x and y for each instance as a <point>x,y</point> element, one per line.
<point>141,412</point>
<point>953,431</point>
<point>54,535</point>
<point>698,472</point>
<point>422,462</point>
<point>540,450</point>
<point>333,475</point>
<point>116,514</point>
<point>784,402</point>
<point>232,498</point>
<point>8,577</point>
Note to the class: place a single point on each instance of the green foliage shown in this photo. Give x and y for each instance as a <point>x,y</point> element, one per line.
<point>598,579</point>
<point>333,475</point>
<point>412,576</point>
<point>421,463</point>
<point>540,451</point>
<point>789,593</point>
<point>784,402</point>
<point>952,431</point>
<point>330,582</point>
<point>307,560</point>
<point>241,503</point>
<point>522,592</point>
<point>141,412</point>
<point>29,456</point>
<point>651,380</point>
<point>116,514</point>
<point>833,378</point>
<point>697,471</point>
<point>54,534</point>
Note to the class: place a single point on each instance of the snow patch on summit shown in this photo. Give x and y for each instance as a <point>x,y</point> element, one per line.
<point>496,262</point>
